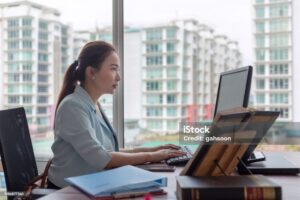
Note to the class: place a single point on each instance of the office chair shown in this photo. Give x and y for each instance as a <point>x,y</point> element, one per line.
<point>18,161</point>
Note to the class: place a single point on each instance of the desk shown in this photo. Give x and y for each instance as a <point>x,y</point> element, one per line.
<point>290,184</point>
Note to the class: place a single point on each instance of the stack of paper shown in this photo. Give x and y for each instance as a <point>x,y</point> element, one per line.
<point>122,179</point>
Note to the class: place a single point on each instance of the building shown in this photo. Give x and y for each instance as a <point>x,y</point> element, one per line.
<point>35,48</point>
<point>181,63</point>
<point>277,43</point>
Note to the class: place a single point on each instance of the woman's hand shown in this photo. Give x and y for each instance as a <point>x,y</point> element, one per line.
<point>164,154</point>
<point>166,146</point>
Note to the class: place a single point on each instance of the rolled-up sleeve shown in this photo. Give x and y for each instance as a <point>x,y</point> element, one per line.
<point>74,127</point>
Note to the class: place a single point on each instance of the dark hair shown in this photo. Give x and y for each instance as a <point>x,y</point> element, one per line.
<point>92,54</point>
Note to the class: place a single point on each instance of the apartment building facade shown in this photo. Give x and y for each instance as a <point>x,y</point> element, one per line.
<point>181,63</point>
<point>35,48</point>
<point>276,40</point>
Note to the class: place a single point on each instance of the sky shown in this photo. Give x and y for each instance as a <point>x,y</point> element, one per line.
<point>233,18</point>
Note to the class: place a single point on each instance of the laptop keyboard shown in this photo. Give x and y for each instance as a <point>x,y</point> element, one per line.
<point>181,160</point>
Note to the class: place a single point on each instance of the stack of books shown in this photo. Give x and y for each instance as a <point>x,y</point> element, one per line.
<point>251,187</point>
<point>123,182</point>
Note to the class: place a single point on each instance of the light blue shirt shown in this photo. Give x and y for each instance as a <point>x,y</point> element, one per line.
<point>83,138</point>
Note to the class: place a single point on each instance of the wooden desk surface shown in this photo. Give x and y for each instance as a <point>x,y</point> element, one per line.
<point>290,185</point>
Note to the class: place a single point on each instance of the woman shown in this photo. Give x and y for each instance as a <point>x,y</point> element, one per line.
<point>84,139</point>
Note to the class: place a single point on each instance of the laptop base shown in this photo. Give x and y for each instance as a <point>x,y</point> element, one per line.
<point>273,165</point>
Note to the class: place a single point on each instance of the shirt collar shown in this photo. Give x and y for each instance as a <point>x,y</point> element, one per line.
<point>82,93</point>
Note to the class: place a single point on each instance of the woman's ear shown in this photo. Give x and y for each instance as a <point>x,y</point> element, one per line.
<point>90,72</point>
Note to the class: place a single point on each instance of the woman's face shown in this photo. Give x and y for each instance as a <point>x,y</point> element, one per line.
<point>106,79</point>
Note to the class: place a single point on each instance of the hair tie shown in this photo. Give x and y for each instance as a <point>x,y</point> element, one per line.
<point>75,65</point>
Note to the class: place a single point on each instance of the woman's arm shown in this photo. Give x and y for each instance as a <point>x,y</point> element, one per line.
<point>123,158</point>
<point>150,149</point>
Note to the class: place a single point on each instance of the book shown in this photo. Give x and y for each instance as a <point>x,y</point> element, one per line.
<point>153,191</point>
<point>250,187</point>
<point>121,179</point>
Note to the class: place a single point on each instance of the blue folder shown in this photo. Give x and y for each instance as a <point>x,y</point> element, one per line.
<point>116,180</point>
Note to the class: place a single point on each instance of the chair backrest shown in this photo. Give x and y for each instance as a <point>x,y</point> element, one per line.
<point>16,150</point>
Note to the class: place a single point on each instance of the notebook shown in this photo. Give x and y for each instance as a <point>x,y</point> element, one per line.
<point>122,179</point>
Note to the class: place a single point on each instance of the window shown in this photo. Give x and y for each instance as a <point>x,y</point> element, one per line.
<point>26,33</point>
<point>172,125</point>
<point>154,60</point>
<point>27,67</point>
<point>260,84</point>
<point>260,54</point>
<point>277,25</point>
<point>260,41</point>
<point>42,67</point>
<point>13,78</point>
<point>42,88</point>
<point>279,69</point>
<point>171,85</point>
<point>27,99</point>
<point>27,56</point>
<point>43,46</point>
<point>279,40</point>
<point>13,45</point>
<point>171,33</point>
<point>171,111</point>
<point>279,54</point>
<point>154,99</point>
<point>171,47</point>
<point>13,67</point>
<point>42,78</point>
<point>154,111</point>
<point>27,77</point>
<point>154,124</point>
<point>13,99</point>
<point>154,86</point>
<point>279,83</point>
<point>171,59</point>
<point>42,121</point>
<point>13,34</point>
<point>260,27</point>
<point>260,69</point>
<point>43,25</point>
<point>43,36</point>
<point>26,88</point>
<point>280,10</point>
<point>27,44</point>
<point>42,57</point>
<point>13,56</point>
<point>42,99</point>
<point>279,98</point>
<point>154,48</point>
<point>171,98</point>
<point>154,34</point>
<point>260,98</point>
<point>260,12</point>
<point>26,21</point>
<point>171,72</point>
<point>12,23</point>
<point>154,73</point>
<point>42,110</point>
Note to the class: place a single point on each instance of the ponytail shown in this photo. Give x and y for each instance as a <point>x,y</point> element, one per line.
<point>69,84</point>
